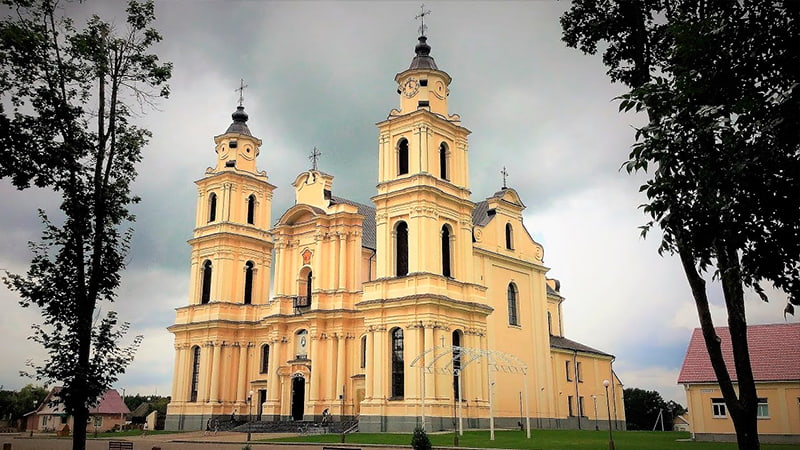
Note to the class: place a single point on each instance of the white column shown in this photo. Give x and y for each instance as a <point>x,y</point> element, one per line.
<point>340,371</point>
<point>241,382</point>
<point>215,372</point>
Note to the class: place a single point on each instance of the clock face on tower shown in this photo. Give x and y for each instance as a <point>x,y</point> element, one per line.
<point>410,87</point>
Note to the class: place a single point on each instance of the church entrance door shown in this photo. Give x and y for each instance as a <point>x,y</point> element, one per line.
<point>298,397</point>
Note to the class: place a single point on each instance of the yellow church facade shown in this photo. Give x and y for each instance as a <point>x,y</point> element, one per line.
<point>421,307</point>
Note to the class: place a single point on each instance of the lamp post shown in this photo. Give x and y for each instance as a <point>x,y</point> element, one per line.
<point>608,406</point>
<point>594,398</point>
<point>249,413</point>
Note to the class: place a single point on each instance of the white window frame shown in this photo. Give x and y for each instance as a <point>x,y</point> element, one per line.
<point>718,408</point>
<point>763,402</point>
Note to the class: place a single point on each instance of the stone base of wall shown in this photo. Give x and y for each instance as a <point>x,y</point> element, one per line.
<point>762,438</point>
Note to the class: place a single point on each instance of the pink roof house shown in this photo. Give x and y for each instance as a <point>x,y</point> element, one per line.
<point>775,359</point>
<point>50,415</point>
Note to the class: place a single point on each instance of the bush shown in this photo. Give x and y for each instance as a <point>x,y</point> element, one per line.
<point>420,440</point>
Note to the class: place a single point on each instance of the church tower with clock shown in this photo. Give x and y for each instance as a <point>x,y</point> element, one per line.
<point>388,315</point>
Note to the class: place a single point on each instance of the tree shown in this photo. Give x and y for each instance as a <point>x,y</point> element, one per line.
<point>70,93</point>
<point>642,409</point>
<point>719,83</point>
<point>15,404</point>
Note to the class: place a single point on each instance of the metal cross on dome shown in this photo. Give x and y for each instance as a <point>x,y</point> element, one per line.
<point>240,89</point>
<point>421,17</point>
<point>505,174</point>
<point>315,154</point>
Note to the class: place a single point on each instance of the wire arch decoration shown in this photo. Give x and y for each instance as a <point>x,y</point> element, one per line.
<point>496,361</point>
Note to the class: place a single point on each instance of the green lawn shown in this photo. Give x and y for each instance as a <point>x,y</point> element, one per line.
<point>541,439</point>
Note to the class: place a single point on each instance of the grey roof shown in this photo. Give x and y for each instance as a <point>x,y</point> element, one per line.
<point>566,344</point>
<point>551,290</point>
<point>480,215</point>
<point>369,228</point>
<point>239,124</point>
<point>423,60</point>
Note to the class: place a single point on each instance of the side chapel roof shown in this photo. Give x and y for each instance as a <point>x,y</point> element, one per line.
<point>566,344</point>
<point>369,227</point>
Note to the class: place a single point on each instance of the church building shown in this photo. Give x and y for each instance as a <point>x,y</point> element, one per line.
<point>422,306</point>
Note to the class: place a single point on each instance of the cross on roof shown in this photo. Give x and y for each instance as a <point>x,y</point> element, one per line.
<point>315,154</point>
<point>421,17</point>
<point>505,174</point>
<point>240,89</point>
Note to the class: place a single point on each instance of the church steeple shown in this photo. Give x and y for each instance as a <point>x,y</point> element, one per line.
<point>237,148</point>
<point>423,85</point>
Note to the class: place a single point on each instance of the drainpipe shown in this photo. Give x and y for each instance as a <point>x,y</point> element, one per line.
<point>614,391</point>
<point>369,265</point>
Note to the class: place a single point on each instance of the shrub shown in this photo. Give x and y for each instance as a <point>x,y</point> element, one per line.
<point>420,440</point>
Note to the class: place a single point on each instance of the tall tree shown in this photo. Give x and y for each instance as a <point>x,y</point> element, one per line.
<point>720,83</point>
<point>642,409</point>
<point>70,91</point>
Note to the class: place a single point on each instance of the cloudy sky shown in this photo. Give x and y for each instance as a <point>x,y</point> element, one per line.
<point>322,74</point>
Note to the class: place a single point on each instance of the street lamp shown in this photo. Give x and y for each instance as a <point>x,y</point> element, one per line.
<point>249,413</point>
<point>594,398</point>
<point>608,406</point>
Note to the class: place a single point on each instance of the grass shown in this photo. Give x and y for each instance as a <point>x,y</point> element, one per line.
<point>540,439</point>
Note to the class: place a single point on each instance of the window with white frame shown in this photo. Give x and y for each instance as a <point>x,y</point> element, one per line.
<point>763,409</point>
<point>718,408</point>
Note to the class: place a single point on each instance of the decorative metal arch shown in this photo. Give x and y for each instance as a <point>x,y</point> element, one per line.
<point>496,361</point>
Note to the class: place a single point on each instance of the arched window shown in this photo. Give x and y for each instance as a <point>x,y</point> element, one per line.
<point>304,288</point>
<point>205,291</point>
<point>509,237</point>
<point>212,207</point>
<point>456,362</point>
<point>446,251</point>
<point>549,323</point>
<point>513,318</point>
<point>443,161</point>
<point>251,209</point>
<point>308,286</point>
<point>401,244</point>
<point>265,358</point>
<point>363,352</point>
<point>248,282</point>
<point>195,382</point>
<point>398,374</point>
<point>402,157</point>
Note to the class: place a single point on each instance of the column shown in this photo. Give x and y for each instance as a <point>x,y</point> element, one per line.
<point>331,363</point>
<point>411,350</point>
<point>342,260</point>
<point>278,269</point>
<point>430,391</point>
<point>273,390</point>
<point>241,386</point>
<point>215,373</point>
<point>330,255</point>
<point>205,378</point>
<point>177,373</point>
<point>381,362</point>
<point>317,366</point>
<point>369,388</point>
<point>340,371</point>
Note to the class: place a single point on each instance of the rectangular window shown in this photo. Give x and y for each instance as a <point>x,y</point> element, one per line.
<point>718,408</point>
<point>578,371</point>
<point>569,406</point>
<point>763,409</point>
<point>568,367</point>
<point>580,406</point>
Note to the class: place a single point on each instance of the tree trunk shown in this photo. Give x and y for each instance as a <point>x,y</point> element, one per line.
<point>81,417</point>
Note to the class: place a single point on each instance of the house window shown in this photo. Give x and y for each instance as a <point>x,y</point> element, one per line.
<point>568,368</point>
<point>401,244</point>
<point>456,362</point>
<point>718,408</point>
<point>248,282</point>
<point>446,251</point>
<point>251,209</point>
<point>363,352</point>
<point>578,371</point>
<point>509,237</point>
<point>398,375</point>
<point>402,157</point>
<point>549,323</point>
<point>763,409</point>
<point>304,289</point>
<point>265,358</point>
<point>580,407</point>
<point>195,373</point>
<point>205,291</point>
<point>212,207</point>
<point>512,305</point>
<point>443,160</point>
<point>98,421</point>
<point>569,406</point>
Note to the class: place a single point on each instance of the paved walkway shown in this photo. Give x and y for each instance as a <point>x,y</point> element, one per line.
<point>177,441</point>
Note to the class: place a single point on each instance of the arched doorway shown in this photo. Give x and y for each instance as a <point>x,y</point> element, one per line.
<point>298,397</point>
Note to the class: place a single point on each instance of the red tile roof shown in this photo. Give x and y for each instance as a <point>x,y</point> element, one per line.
<point>774,354</point>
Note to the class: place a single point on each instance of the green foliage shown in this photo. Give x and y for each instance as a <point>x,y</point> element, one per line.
<point>420,439</point>
<point>65,125</point>
<point>15,404</point>
<point>642,408</point>
<point>720,83</point>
